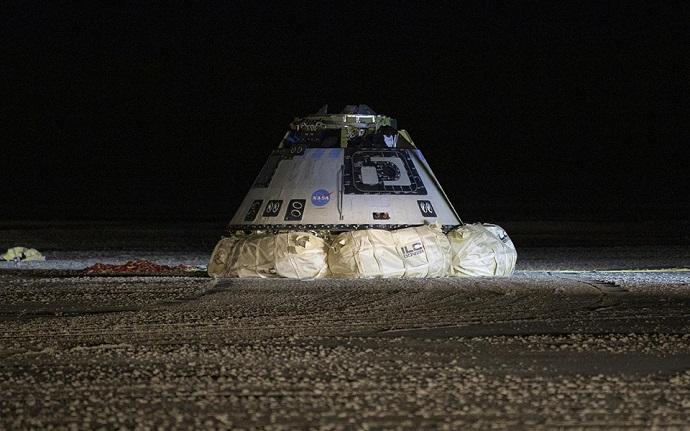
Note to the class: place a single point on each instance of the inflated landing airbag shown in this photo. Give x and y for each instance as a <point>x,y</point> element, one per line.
<point>482,250</point>
<point>291,255</point>
<point>415,252</point>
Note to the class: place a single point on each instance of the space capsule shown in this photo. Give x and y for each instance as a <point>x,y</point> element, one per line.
<point>345,194</point>
<point>347,171</point>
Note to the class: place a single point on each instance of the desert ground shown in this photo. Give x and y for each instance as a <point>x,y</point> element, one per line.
<point>592,331</point>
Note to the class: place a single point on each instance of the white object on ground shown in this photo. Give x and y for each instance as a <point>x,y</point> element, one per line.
<point>300,255</point>
<point>292,255</point>
<point>414,252</point>
<point>481,250</point>
<point>22,254</point>
<point>244,256</point>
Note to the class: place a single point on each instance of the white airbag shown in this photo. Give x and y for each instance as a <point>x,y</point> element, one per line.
<point>481,250</point>
<point>405,253</point>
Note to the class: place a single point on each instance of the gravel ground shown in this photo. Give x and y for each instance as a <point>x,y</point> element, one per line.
<point>560,344</point>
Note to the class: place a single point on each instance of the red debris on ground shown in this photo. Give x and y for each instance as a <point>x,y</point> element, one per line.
<point>140,266</point>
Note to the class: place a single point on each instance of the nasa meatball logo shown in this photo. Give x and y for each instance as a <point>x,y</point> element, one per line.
<point>320,198</point>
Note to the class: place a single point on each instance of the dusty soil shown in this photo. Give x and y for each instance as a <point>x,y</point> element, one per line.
<point>560,344</point>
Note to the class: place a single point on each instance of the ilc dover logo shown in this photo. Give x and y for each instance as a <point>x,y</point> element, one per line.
<point>412,250</point>
<point>320,198</point>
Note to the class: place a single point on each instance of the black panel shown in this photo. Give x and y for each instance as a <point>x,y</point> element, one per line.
<point>295,210</point>
<point>387,171</point>
<point>426,208</point>
<point>253,210</point>
<point>272,208</point>
<point>356,159</point>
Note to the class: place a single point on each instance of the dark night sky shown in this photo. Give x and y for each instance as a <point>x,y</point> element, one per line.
<point>530,110</point>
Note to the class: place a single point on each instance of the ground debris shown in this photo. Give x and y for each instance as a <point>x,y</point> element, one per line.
<point>139,266</point>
